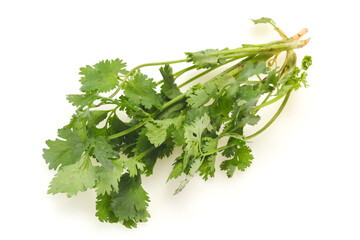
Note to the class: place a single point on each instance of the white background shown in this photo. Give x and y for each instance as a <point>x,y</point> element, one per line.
<point>304,181</point>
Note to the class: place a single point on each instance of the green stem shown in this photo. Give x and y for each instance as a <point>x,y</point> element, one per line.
<point>218,149</point>
<point>272,119</point>
<point>127,131</point>
<point>177,74</point>
<point>277,46</point>
<point>143,154</point>
<point>172,101</point>
<point>264,104</point>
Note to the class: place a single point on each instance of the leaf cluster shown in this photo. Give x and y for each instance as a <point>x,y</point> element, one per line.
<point>99,150</point>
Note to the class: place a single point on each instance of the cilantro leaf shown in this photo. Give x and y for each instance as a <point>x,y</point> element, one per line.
<point>193,132</point>
<point>104,152</point>
<point>157,130</point>
<point>177,170</point>
<point>132,166</point>
<point>169,89</point>
<point>207,168</point>
<point>251,69</point>
<point>207,58</point>
<point>306,62</point>
<point>200,95</point>
<point>140,89</point>
<point>64,152</point>
<point>109,178</point>
<point>103,209</point>
<point>263,20</point>
<point>103,76</point>
<point>241,160</point>
<point>71,179</point>
<point>193,169</point>
<point>130,203</point>
<point>82,100</point>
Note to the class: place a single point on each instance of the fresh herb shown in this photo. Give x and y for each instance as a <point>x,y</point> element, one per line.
<point>97,149</point>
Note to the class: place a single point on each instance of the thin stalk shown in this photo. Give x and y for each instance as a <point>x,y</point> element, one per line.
<point>264,104</point>
<point>143,154</point>
<point>127,131</point>
<point>272,119</point>
<point>277,46</point>
<point>218,149</point>
<point>172,101</point>
<point>177,74</point>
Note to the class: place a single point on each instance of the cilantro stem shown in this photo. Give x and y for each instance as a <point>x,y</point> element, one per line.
<point>264,104</point>
<point>218,149</point>
<point>146,152</point>
<point>277,46</point>
<point>272,119</point>
<point>172,101</point>
<point>129,130</point>
<point>157,64</point>
<point>267,97</point>
<point>177,74</point>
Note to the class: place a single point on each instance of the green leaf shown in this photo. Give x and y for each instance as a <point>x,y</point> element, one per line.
<point>130,203</point>
<point>155,134</point>
<point>109,178</point>
<point>306,62</point>
<point>193,169</point>
<point>249,93</point>
<point>209,144</point>
<point>241,160</point>
<point>71,179</point>
<point>200,94</point>
<point>157,130</point>
<point>63,152</point>
<point>96,117</point>
<point>165,149</point>
<point>103,76</point>
<point>82,100</point>
<point>169,89</point>
<point>252,69</point>
<point>103,209</point>
<point>140,90</point>
<point>104,152</point>
<point>207,168</point>
<point>78,123</point>
<point>194,131</point>
<point>177,170</point>
<point>264,20</point>
<point>132,166</point>
<point>178,137</point>
<point>207,58</point>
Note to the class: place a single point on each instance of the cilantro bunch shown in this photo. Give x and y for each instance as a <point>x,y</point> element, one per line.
<point>97,149</point>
